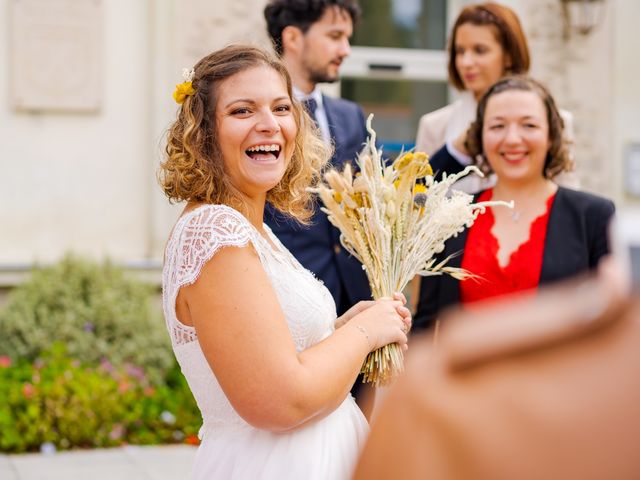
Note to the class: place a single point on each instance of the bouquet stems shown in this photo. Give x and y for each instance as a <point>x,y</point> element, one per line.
<point>382,365</point>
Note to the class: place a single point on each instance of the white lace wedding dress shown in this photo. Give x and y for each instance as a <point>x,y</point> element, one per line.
<point>325,449</point>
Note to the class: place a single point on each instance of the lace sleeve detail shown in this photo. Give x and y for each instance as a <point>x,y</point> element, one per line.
<point>196,238</point>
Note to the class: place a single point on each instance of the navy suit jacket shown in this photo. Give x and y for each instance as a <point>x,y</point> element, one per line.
<point>576,239</point>
<point>317,246</point>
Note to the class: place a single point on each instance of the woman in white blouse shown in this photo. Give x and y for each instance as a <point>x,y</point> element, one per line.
<point>486,43</point>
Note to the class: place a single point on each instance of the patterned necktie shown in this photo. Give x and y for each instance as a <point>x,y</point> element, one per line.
<point>310,105</point>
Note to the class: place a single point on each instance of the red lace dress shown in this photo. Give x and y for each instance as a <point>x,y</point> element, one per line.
<point>481,258</point>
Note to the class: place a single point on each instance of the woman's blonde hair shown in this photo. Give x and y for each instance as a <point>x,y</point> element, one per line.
<point>194,171</point>
<point>558,158</point>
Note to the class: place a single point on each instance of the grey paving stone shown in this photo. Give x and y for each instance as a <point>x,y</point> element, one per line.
<point>164,462</point>
<point>139,463</point>
<point>7,470</point>
<point>75,472</point>
<point>76,465</point>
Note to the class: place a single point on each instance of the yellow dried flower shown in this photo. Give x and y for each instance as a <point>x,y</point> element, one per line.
<point>182,91</point>
<point>403,162</point>
<point>419,195</point>
<point>424,170</point>
<point>419,188</point>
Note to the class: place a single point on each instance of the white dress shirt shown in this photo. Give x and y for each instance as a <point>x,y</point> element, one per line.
<point>320,114</point>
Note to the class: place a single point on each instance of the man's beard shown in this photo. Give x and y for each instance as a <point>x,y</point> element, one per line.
<point>318,75</point>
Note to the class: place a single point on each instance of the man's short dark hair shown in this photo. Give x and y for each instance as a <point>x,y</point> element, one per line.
<point>302,14</point>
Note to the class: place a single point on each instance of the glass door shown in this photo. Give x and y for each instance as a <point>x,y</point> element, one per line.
<point>397,69</point>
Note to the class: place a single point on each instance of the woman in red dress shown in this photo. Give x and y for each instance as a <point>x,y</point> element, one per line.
<point>552,232</point>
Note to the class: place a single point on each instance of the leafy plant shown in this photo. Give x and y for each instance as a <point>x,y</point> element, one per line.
<point>57,400</point>
<point>94,310</point>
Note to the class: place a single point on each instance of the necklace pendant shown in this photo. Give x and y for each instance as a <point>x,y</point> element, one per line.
<point>515,215</point>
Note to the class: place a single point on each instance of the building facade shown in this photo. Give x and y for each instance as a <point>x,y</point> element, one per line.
<point>85,99</point>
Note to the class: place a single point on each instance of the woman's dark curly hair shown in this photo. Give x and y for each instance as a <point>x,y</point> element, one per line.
<point>558,158</point>
<point>194,171</point>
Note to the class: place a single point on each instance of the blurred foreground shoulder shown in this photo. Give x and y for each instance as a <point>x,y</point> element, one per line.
<point>526,391</point>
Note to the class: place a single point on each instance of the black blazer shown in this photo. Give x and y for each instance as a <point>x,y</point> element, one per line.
<point>317,246</point>
<point>576,239</point>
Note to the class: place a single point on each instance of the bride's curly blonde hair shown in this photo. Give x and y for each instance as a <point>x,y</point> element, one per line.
<point>194,171</point>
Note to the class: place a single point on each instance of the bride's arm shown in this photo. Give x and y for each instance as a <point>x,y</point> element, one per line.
<point>245,338</point>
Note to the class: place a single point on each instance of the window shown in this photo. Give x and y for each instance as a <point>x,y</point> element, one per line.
<point>397,69</point>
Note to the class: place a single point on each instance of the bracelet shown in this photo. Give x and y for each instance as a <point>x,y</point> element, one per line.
<point>364,331</point>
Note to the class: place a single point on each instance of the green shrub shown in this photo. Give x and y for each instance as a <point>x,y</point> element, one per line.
<point>95,310</point>
<point>58,400</point>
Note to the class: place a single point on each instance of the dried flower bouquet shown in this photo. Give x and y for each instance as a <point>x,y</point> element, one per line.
<point>395,219</point>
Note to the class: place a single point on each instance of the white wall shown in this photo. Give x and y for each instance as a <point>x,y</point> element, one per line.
<point>85,182</point>
<point>626,91</point>
<point>78,181</point>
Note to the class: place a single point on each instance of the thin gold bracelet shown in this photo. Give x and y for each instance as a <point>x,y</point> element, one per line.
<point>364,330</point>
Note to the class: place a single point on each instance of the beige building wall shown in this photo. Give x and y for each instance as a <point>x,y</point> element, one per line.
<point>626,96</point>
<point>85,181</point>
<point>579,70</point>
<point>76,180</point>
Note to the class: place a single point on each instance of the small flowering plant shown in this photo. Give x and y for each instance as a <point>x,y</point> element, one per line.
<point>395,219</point>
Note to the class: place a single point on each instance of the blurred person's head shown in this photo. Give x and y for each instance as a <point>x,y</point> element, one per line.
<point>312,37</point>
<point>518,132</point>
<point>486,43</point>
<point>236,138</point>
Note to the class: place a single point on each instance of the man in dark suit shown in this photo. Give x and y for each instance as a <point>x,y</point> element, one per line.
<point>312,39</point>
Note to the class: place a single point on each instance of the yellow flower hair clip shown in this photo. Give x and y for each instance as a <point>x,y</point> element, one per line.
<point>185,88</point>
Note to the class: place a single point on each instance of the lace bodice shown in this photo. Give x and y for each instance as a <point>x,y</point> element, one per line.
<point>307,305</point>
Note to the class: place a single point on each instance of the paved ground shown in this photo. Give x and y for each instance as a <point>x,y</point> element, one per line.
<point>168,462</point>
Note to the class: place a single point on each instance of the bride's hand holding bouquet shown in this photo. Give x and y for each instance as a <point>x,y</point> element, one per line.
<point>395,219</point>
<point>360,313</point>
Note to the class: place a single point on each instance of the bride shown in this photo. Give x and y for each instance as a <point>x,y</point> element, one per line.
<point>255,334</point>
